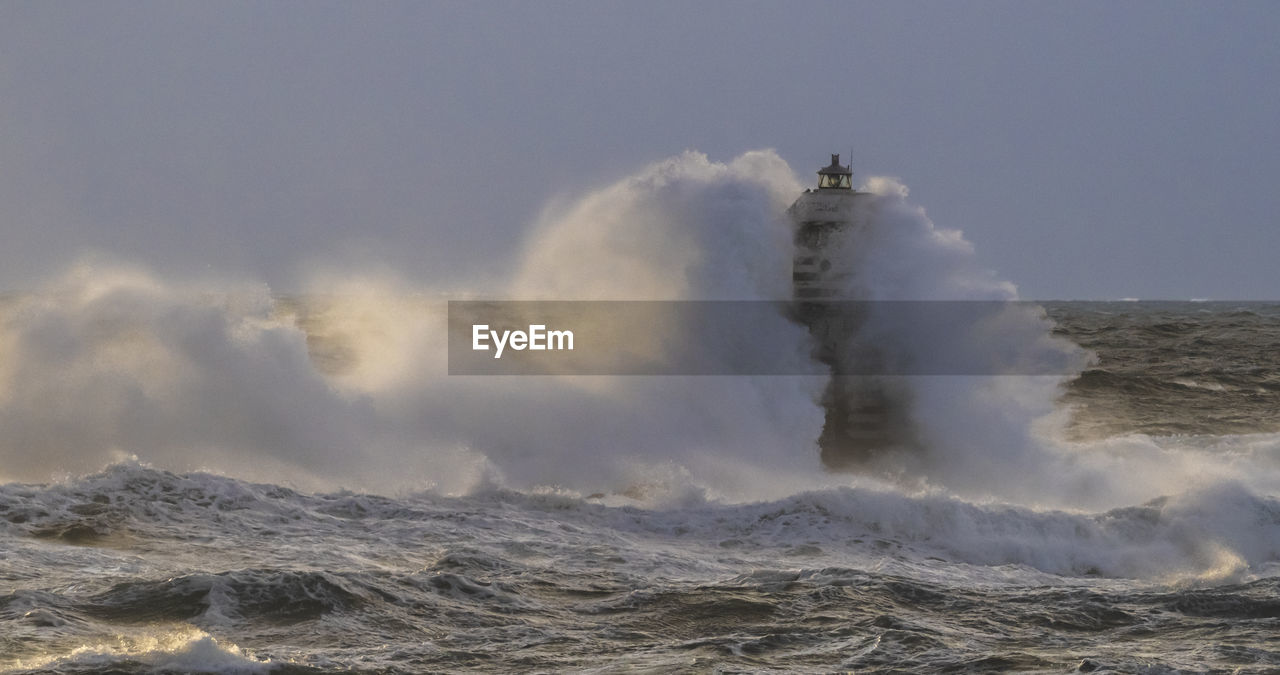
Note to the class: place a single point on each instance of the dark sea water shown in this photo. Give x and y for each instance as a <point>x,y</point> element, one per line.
<point>1196,368</point>
<point>134,569</point>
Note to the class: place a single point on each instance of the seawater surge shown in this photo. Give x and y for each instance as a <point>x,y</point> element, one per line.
<point>212,477</point>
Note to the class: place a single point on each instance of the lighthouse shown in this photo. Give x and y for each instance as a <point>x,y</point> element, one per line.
<point>824,218</point>
<point>866,415</point>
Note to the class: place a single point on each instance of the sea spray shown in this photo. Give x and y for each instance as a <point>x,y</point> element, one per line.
<point>978,435</point>
<point>108,363</point>
<point>593,523</point>
<point>346,384</point>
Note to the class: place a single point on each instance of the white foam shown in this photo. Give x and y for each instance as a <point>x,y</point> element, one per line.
<point>108,362</point>
<point>182,649</point>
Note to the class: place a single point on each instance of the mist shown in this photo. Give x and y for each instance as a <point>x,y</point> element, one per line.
<point>345,385</point>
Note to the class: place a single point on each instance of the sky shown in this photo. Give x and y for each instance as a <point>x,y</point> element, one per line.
<point>1088,150</point>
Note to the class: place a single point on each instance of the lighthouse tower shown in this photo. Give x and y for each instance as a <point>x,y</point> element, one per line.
<point>822,218</point>
<point>866,415</point>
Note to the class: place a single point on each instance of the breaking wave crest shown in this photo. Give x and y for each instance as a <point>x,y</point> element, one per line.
<point>1217,533</point>
<point>180,650</point>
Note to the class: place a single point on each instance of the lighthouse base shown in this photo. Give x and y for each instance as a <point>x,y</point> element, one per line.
<point>866,418</point>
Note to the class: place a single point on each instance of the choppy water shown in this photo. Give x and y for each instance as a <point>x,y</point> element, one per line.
<point>1175,367</point>
<point>135,569</point>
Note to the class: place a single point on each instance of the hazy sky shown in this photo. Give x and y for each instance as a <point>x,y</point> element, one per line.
<point>1089,150</point>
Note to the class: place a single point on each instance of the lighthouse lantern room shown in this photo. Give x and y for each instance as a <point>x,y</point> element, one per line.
<point>835,176</point>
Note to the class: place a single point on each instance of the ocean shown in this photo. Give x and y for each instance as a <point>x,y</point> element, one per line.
<point>212,476</point>
<point>135,568</point>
